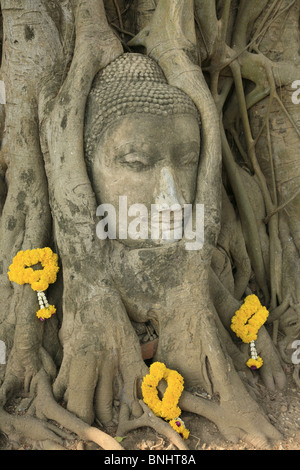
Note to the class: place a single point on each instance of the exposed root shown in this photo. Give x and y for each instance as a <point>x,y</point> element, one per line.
<point>272,373</point>
<point>276,313</point>
<point>233,420</point>
<point>83,379</point>
<point>50,409</point>
<point>49,445</point>
<point>42,433</point>
<point>296,375</point>
<point>27,427</point>
<point>148,419</point>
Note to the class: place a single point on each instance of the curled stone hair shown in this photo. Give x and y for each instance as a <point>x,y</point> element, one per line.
<point>131,84</point>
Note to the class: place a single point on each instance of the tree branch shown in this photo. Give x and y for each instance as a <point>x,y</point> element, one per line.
<point>206,17</point>
<point>96,45</point>
<point>170,39</point>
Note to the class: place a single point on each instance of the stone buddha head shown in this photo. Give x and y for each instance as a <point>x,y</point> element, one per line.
<point>142,145</point>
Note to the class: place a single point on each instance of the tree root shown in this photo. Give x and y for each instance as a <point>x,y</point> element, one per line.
<point>39,430</point>
<point>48,408</point>
<point>237,415</point>
<point>247,217</point>
<point>27,427</point>
<point>148,419</point>
<point>49,445</point>
<point>276,313</point>
<point>232,422</point>
<point>296,375</point>
<point>42,433</point>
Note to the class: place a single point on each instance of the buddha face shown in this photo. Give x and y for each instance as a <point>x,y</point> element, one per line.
<point>147,160</point>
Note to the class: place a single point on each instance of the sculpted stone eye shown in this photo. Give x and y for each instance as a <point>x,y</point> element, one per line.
<point>136,165</point>
<point>137,161</point>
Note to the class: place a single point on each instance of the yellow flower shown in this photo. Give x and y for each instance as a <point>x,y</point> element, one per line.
<point>20,270</point>
<point>46,312</point>
<point>166,408</point>
<point>249,319</point>
<point>255,363</point>
<point>246,323</point>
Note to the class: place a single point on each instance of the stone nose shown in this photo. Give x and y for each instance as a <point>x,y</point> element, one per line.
<point>168,193</point>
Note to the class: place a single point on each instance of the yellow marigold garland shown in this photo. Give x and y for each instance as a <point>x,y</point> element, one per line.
<point>21,272</point>
<point>246,323</point>
<point>167,408</point>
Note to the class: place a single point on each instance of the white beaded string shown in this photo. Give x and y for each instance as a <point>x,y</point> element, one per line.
<point>42,299</point>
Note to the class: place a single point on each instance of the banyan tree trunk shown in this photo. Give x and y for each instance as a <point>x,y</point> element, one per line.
<point>88,356</point>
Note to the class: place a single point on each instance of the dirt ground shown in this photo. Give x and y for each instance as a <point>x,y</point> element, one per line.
<point>281,407</point>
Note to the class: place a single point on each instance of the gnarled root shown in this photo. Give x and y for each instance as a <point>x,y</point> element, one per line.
<point>24,428</point>
<point>148,419</point>
<point>296,375</point>
<point>43,434</point>
<point>248,425</point>
<point>47,407</point>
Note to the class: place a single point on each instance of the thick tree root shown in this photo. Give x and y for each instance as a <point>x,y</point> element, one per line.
<point>48,408</point>
<point>296,375</point>
<point>26,427</point>
<point>43,434</point>
<point>49,445</point>
<point>232,421</point>
<point>148,419</point>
